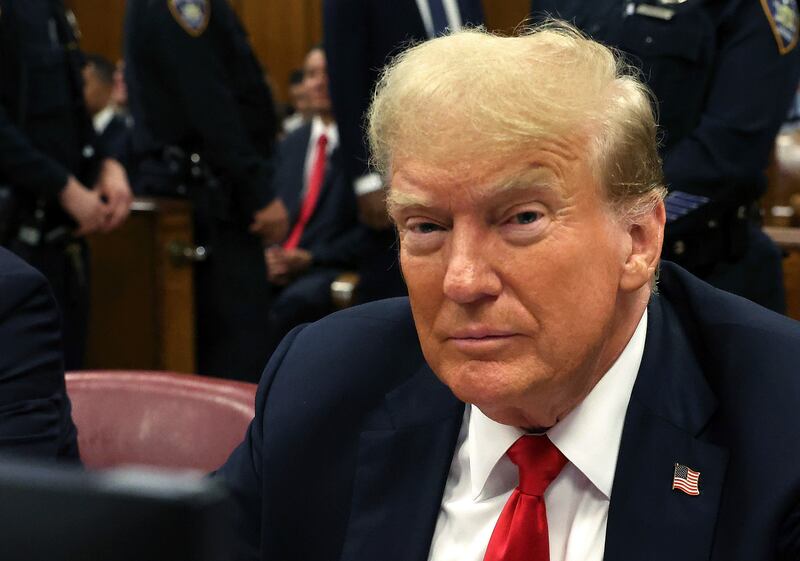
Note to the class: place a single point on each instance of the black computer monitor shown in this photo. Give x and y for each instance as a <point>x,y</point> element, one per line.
<point>52,513</point>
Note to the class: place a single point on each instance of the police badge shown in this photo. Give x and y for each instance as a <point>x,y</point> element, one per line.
<point>192,15</point>
<point>783,19</point>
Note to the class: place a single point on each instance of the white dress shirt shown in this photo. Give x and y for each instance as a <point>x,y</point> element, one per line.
<point>318,128</point>
<point>102,118</point>
<point>482,477</point>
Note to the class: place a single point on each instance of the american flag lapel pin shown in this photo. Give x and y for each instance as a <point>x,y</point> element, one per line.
<point>686,480</point>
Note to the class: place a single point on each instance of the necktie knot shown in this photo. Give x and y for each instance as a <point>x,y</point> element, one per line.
<point>322,142</point>
<point>539,463</point>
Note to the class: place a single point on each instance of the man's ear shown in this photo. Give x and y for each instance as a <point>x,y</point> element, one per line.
<point>646,233</point>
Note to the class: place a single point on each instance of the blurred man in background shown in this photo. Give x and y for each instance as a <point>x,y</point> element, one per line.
<point>205,128</point>
<point>59,184</point>
<point>360,38</point>
<point>113,132</point>
<point>325,238</point>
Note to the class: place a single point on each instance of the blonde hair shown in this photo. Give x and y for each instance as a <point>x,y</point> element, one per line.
<point>499,96</point>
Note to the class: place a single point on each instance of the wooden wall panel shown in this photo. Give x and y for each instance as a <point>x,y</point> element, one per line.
<point>506,15</point>
<point>100,22</point>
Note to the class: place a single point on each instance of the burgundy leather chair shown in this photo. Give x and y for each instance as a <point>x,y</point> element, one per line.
<point>159,419</point>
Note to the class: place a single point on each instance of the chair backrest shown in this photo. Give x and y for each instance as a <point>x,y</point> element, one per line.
<point>158,419</point>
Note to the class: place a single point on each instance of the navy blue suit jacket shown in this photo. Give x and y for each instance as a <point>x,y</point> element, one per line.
<point>35,419</point>
<point>333,235</point>
<point>115,140</point>
<point>351,446</point>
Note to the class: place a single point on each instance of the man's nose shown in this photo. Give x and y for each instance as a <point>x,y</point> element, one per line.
<point>470,274</point>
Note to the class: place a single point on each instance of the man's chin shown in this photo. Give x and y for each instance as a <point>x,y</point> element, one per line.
<point>484,396</point>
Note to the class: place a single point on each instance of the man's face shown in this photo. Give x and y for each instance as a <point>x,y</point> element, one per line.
<point>119,90</point>
<point>298,98</point>
<point>315,82</point>
<point>96,93</point>
<point>513,270</point>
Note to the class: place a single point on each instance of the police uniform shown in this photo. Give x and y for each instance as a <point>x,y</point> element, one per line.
<point>205,129</point>
<point>724,72</point>
<point>45,135</point>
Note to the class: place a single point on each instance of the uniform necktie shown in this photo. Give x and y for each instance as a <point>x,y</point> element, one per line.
<point>521,531</point>
<point>315,180</point>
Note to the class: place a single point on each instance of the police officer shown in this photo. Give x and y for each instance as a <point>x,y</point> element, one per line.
<point>723,72</point>
<point>205,128</point>
<point>56,185</point>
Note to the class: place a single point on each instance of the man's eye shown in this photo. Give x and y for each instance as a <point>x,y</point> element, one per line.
<point>528,217</point>
<point>424,228</point>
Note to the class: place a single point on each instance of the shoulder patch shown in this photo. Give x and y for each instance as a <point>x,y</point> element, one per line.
<point>192,15</point>
<point>784,20</point>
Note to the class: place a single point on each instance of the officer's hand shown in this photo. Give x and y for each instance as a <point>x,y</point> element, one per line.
<point>372,210</point>
<point>271,222</point>
<point>114,189</point>
<point>85,206</point>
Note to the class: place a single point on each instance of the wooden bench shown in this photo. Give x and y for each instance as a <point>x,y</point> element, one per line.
<point>789,240</point>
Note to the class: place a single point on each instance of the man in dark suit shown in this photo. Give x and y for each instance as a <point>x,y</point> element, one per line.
<point>543,393</point>
<point>360,38</point>
<point>35,418</point>
<point>325,237</point>
<point>112,128</point>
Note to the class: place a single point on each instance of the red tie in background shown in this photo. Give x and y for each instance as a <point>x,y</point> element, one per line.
<point>521,531</point>
<point>312,194</point>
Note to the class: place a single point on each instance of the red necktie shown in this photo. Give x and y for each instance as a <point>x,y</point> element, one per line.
<point>521,531</point>
<point>312,194</point>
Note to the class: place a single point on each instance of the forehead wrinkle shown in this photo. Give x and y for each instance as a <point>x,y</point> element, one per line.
<point>536,177</point>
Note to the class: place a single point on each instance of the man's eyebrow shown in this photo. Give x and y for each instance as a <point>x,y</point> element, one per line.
<point>536,178</point>
<point>399,200</point>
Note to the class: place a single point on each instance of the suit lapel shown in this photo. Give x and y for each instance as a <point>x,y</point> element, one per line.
<point>670,406</point>
<point>403,462</point>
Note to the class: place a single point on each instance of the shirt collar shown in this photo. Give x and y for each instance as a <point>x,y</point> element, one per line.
<point>589,436</point>
<point>102,118</point>
<point>318,127</point>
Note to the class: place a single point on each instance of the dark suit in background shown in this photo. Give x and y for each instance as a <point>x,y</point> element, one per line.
<point>205,128</point>
<point>116,139</point>
<point>724,80</point>
<point>333,235</point>
<point>353,438</point>
<point>360,38</point>
<point>35,416</point>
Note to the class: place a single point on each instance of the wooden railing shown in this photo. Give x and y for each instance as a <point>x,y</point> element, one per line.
<point>789,240</point>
